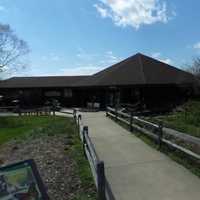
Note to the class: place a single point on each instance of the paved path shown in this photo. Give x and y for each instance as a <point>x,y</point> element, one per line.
<point>136,171</point>
<point>8,114</point>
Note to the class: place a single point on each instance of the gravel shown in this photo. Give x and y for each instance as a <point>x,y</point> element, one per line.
<point>55,166</point>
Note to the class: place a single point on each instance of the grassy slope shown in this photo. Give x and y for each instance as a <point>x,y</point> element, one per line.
<point>22,127</point>
<point>187,120</point>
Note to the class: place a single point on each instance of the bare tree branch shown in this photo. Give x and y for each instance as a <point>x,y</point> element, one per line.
<point>12,49</point>
<point>194,68</point>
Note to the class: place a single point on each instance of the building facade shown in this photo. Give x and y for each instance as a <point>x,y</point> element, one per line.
<point>138,80</point>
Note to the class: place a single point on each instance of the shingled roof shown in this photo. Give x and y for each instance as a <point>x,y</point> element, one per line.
<point>41,81</point>
<point>139,70</point>
<point>135,70</point>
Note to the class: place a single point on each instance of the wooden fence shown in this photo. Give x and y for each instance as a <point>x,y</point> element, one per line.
<point>154,131</point>
<point>96,165</point>
<point>46,110</point>
<point>36,111</point>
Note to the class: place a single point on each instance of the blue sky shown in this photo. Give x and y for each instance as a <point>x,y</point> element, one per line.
<point>85,36</point>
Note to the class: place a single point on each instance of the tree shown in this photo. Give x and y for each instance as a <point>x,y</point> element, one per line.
<point>12,49</point>
<point>194,68</point>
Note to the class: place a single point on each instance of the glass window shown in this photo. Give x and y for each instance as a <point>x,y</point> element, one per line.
<point>68,93</point>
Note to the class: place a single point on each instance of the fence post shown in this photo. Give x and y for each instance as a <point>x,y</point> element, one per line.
<point>54,111</point>
<point>79,119</point>
<point>131,121</point>
<point>85,131</point>
<point>116,114</point>
<point>160,134</point>
<point>106,111</point>
<point>19,110</point>
<point>101,181</point>
<point>74,114</point>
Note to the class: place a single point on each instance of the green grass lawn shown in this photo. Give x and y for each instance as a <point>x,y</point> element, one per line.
<point>20,127</point>
<point>33,126</point>
<point>187,120</point>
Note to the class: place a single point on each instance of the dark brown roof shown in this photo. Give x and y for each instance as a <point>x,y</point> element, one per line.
<point>138,70</point>
<point>41,81</point>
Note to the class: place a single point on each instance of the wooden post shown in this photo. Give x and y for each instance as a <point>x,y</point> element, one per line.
<point>131,121</point>
<point>116,114</point>
<point>101,181</point>
<point>79,119</point>
<point>74,113</point>
<point>85,131</point>
<point>37,111</point>
<point>19,110</point>
<point>160,134</point>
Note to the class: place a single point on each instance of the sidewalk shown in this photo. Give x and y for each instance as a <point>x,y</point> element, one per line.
<point>8,114</point>
<point>135,170</point>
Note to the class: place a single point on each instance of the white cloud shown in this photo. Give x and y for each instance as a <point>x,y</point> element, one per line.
<point>83,55</point>
<point>103,12</point>
<point>166,60</point>
<point>84,70</point>
<point>86,63</point>
<point>158,56</point>
<point>90,63</point>
<point>197,45</point>
<point>133,12</point>
<point>110,58</point>
<point>106,58</point>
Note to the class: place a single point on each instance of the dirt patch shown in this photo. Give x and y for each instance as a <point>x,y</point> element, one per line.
<point>54,163</point>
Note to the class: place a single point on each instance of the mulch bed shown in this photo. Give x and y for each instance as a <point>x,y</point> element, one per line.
<point>56,167</point>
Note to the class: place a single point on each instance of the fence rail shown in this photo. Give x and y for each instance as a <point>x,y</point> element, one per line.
<point>43,110</point>
<point>7,107</point>
<point>154,131</point>
<point>96,165</point>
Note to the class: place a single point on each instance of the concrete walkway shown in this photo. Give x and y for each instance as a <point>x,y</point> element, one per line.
<point>8,114</point>
<point>136,171</point>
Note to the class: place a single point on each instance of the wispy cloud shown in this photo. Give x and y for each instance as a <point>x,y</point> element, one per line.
<point>84,55</point>
<point>111,58</point>
<point>83,70</point>
<point>103,11</point>
<point>90,63</point>
<point>197,46</point>
<point>134,12</point>
<point>158,56</point>
<point>105,58</point>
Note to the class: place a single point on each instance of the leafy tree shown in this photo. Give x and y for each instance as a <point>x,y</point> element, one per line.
<point>12,50</point>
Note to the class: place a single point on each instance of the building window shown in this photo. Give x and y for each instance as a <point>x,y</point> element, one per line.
<point>68,93</point>
<point>52,94</point>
